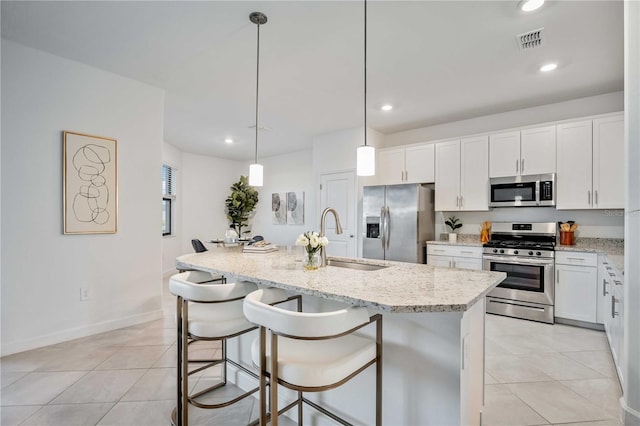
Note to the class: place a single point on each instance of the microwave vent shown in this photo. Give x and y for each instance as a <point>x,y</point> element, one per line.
<point>530,40</point>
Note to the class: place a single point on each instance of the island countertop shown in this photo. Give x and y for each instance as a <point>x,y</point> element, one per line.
<point>399,287</point>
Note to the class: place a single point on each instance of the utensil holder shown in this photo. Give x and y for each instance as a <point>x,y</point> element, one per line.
<point>567,238</point>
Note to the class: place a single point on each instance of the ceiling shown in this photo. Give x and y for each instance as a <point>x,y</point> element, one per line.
<point>435,61</point>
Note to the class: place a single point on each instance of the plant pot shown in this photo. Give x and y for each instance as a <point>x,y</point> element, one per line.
<point>453,237</point>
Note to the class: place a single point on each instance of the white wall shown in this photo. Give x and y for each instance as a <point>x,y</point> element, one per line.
<point>285,173</point>
<point>172,244</point>
<point>205,185</point>
<point>610,102</point>
<point>42,269</point>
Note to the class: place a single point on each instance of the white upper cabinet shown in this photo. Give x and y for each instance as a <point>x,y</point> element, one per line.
<point>591,164</point>
<point>574,156</point>
<point>474,173</point>
<point>413,164</point>
<point>526,152</point>
<point>447,195</point>
<point>609,162</point>
<point>538,151</point>
<point>504,154</point>
<point>462,175</point>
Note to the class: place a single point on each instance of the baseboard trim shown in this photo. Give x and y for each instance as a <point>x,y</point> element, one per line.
<point>9,348</point>
<point>630,416</point>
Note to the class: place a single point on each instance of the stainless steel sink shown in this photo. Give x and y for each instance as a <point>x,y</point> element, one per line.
<point>354,265</point>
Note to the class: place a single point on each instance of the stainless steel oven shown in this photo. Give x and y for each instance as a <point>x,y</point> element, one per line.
<point>525,252</point>
<point>528,290</point>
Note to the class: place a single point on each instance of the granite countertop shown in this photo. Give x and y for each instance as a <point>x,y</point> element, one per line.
<point>470,240</point>
<point>400,287</point>
<point>613,248</point>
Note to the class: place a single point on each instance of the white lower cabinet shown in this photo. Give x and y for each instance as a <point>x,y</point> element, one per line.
<point>576,286</point>
<point>613,313</point>
<point>454,256</point>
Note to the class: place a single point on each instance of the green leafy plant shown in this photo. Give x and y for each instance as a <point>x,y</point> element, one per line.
<point>453,223</point>
<point>240,205</point>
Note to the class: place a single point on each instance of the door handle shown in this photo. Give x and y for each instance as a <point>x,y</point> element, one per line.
<point>388,226</point>
<point>613,307</point>
<point>382,227</point>
<point>604,287</point>
<point>517,166</point>
<point>557,277</point>
<point>522,166</point>
<point>461,201</point>
<point>595,196</point>
<point>351,236</point>
<point>589,197</point>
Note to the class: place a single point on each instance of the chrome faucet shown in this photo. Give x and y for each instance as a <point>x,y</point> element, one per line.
<point>323,220</point>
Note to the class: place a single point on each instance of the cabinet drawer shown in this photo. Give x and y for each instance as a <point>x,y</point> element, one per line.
<point>576,258</point>
<point>451,250</point>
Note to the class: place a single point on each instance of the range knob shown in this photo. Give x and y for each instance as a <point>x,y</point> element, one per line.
<point>501,251</point>
<point>530,253</point>
<point>495,250</point>
<point>515,252</point>
<point>538,253</point>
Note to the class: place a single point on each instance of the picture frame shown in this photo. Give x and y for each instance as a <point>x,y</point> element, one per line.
<point>90,184</point>
<point>278,208</point>
<point>295,208</point>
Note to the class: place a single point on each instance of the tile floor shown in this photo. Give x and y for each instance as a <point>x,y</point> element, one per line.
<point>536,374</point>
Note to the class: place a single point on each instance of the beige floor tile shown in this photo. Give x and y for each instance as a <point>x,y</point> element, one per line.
<point>557,403</point>
<point>601,361</point>
<point>502,407</point>
<point>157,384</point>
<point>511,369</point>
<point>560,367</point>
<point>10,416</point>
<point>26,361</point>
<point>108,339</point>
<point>39,387</point>
<point>133,357</point>
<point>77,359</point>
<point>524,344</point>
<point>153,336</point>
<point>8,377</point>
<point>489,380</point>
<point>603,393</point>
<point>100,386</point>
<point>145,413</point>
<point>69,415</point>
<point>599,423</point>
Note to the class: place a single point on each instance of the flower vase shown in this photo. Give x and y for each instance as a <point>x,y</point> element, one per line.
<point>311,261</point>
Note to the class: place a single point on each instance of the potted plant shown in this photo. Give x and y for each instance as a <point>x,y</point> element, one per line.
<point>240,205</point>
<point>453,223</point>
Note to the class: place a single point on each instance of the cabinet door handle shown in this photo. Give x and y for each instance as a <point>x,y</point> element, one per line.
<point>517,166</point>
<point>522,166</point>
<point>580,259</point>
<point>457,201</point>
<point>589,197</point>
<point>453,263</point>
<point>461,201</point>
<point>595,196</point>
<point>558,277</point>
<point>449,264</point>
<point>613,307</point>
<point>467,252</point>
<point>604,287</point>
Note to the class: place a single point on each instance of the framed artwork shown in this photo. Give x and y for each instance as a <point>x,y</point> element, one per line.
<point>278,208</point>
<point>90,184</point>
<point>295,208</point>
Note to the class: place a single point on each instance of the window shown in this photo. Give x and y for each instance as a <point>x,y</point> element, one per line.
<point>168,198</point>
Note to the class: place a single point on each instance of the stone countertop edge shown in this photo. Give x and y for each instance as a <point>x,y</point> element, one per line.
<point>612,248</point>
<point>410,306</point>
<point>458,243</point>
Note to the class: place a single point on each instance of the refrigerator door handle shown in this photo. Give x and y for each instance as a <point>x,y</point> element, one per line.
<point>383,230</point>
<point>387,226</point>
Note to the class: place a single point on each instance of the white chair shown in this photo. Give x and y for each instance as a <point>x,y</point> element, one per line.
<point>310,352</point>
<point>211,312</point>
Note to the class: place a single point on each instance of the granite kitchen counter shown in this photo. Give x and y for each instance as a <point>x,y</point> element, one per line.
<point>399,287</point>
<point>470,240</point>
<point>613,248</point>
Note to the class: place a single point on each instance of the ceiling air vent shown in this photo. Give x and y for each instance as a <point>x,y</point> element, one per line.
<point>530,40</point>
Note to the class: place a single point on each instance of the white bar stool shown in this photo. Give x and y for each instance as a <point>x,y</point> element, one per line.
<point>211,312</point>
<point>310,352</point>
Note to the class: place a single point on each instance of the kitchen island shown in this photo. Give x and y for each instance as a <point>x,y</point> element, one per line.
<point>433,359</point>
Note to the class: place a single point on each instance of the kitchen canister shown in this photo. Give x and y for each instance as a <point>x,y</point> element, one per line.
<point>567,238</point>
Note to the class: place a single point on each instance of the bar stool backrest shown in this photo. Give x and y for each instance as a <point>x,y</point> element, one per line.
<point>181,285</point>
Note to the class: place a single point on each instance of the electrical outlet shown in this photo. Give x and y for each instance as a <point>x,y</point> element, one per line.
<point>84,294</point>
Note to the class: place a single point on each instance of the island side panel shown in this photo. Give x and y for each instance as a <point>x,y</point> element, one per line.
<point>472,364</point>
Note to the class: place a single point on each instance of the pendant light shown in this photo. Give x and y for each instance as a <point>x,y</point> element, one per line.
<point>366,154</point>
<point>255,169</point>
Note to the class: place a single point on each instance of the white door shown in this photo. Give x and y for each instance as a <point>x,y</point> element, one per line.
<point>504,154</point>
<point>474,174</point>
<point>538,150</point>
<point>337,190</point>
<point>574,159</point>
<point>448,176</point>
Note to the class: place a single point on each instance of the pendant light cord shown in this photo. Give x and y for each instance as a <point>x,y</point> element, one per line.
<point>365,72</point>
<point>257,89</point>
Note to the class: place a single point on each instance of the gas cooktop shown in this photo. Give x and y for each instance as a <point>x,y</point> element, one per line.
<point>522,239</point>
<point>520,244</point>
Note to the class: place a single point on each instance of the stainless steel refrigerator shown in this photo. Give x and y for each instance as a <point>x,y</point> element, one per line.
<point>397,221</point>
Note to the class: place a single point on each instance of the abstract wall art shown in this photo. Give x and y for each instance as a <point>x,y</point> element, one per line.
<point>278,208</point>
<point>90,184</point>
<point>295,208</point>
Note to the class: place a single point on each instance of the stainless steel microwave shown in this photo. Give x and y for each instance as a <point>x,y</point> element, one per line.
<point>523,191</point>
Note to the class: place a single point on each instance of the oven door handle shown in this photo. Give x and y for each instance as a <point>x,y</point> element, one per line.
<point>519,260</point>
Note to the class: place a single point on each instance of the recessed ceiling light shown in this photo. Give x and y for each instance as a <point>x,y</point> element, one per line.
<point>228,140</point>
<point>386,107</point>
<point>548,67</point>
<point>531,5</point>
